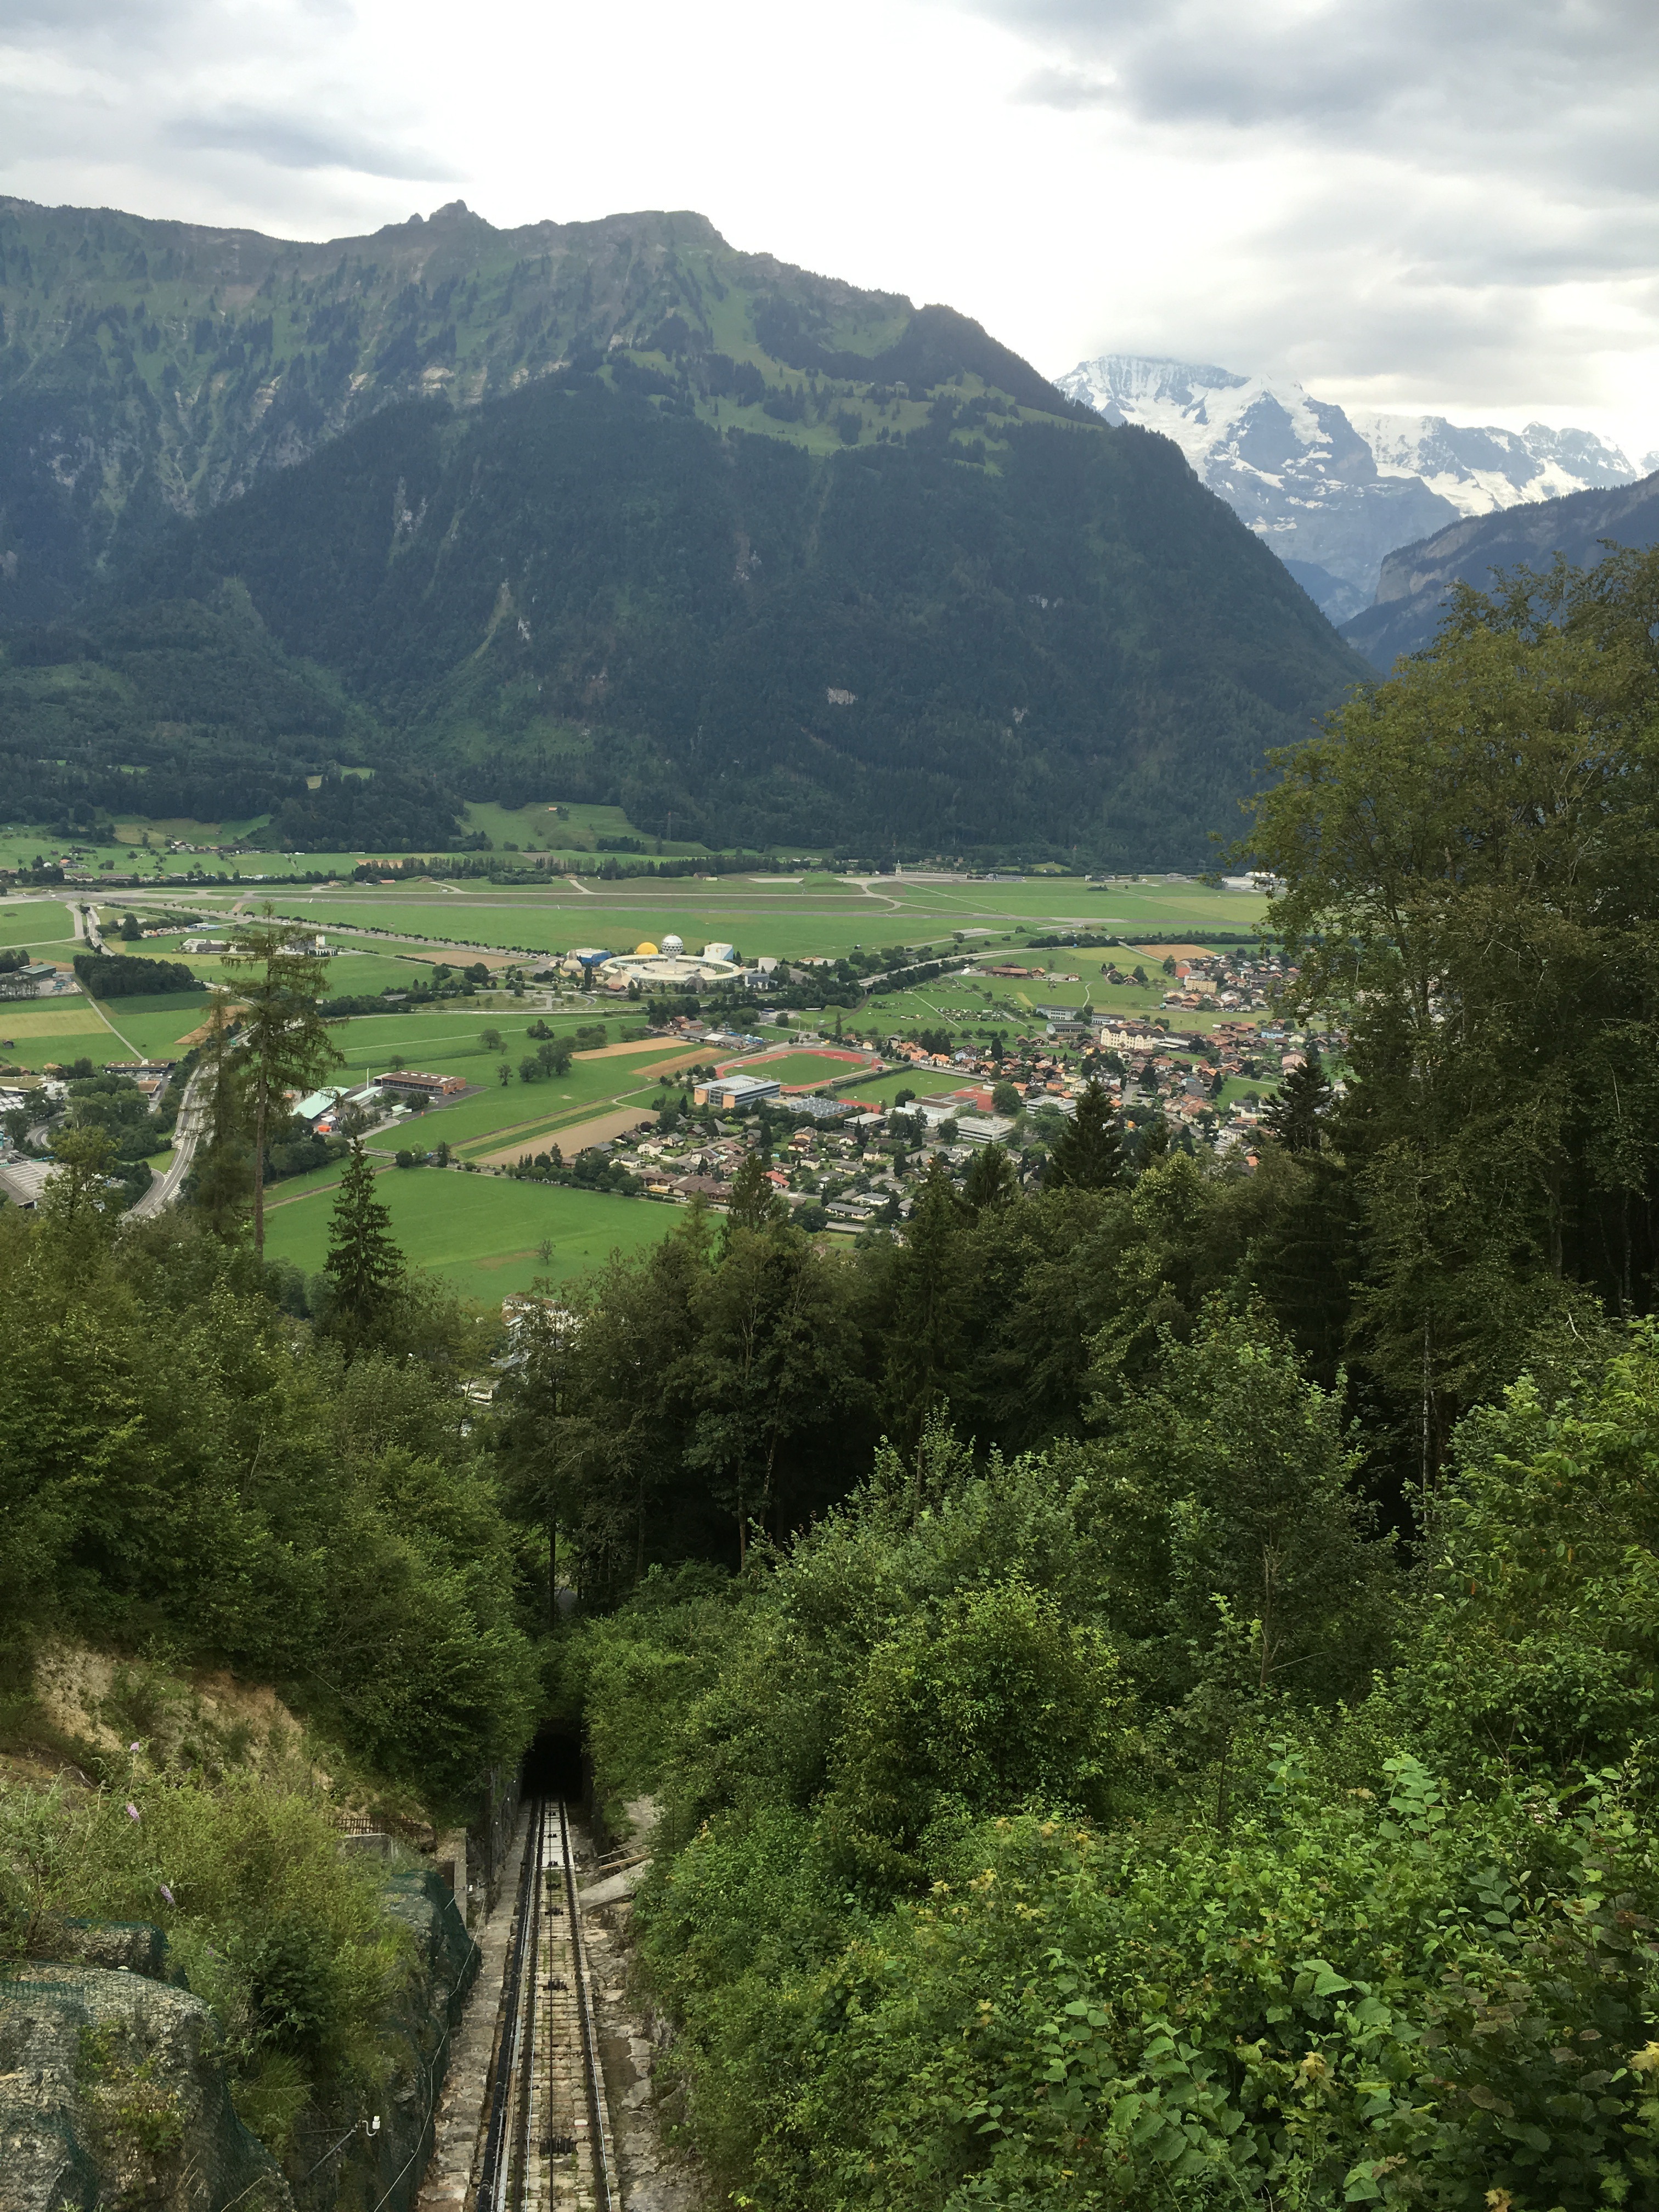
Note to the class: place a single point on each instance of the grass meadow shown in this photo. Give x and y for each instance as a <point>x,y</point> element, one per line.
<point>482,1233</point>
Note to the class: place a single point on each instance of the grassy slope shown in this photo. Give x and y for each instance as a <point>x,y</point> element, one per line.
<point>479,1232</point>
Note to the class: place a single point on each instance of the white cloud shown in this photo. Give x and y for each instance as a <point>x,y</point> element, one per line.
<point>1450,205</point>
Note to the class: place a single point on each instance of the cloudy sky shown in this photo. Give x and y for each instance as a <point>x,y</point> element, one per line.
<point>1426,205</point>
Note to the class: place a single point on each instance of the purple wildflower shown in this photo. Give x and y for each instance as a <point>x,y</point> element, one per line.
<point>132,1746</point>
<point>132,1810</point>
<point>168,1893</point>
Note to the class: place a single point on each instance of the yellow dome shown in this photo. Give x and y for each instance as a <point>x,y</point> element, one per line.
<point>644,952</point>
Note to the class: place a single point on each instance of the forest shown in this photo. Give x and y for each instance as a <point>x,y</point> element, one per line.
<point>1207,1754</point>
<point>1065,640</point>
<point>1148,1683</point>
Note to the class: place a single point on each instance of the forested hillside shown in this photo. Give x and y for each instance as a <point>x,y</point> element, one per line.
<point>1208,1757</point>
<point>1048,632</point>
<point>615,507</point>
<point>1419,581</point>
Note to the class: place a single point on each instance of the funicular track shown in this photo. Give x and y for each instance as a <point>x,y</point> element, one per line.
<point>546,2140</point>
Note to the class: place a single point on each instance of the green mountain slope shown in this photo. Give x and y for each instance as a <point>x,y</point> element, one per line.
<point>150,370</point>
<point>1067,642</point>
<point>610,510</point>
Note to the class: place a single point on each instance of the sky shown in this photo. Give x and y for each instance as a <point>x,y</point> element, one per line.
<point>1424,206</point>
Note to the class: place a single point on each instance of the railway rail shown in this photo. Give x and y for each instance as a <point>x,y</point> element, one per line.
<point>546,2139</point>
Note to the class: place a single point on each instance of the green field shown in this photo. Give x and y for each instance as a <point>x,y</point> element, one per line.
<point>801,1067</point>
<point>480,1232</point>
<point>924,1082</point>
<point>817,913</point>
<point>31,1034</point>
<point>34,921</point>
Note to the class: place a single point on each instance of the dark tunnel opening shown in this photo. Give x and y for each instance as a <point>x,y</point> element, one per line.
<point>553,1764</point>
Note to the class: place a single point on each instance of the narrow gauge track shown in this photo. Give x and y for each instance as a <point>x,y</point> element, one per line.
<point>546,2140</point>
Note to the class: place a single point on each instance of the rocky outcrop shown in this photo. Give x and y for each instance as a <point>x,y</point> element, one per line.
<point>112,2091</point>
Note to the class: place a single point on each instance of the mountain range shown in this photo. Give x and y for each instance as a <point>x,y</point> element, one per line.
<point>1411,592</point>
<point>604,510</point>
<point>1334,494</point>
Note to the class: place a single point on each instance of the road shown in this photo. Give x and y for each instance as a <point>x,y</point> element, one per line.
<point>188,1132</point>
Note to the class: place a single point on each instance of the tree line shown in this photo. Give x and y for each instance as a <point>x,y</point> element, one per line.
<point>1206,1755</point>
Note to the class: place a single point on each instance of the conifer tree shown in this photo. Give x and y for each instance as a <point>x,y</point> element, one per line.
<point>990,1180</point>
<point>1088,1154</point>
<point>285,1043</point>
<point>932,1302</point>
<point>1297,1114</point>
<point>754,1203</point>
<point>364,1265</point>
<point>221,1177</point>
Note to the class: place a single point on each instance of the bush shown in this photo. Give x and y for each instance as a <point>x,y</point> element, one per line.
<point>238,1493</point>
<point>282,1935</point>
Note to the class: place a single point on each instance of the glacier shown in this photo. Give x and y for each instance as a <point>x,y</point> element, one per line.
<point>1334,494</point>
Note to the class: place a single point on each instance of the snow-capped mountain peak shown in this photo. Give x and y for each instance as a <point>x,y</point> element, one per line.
<point>1333,494</point>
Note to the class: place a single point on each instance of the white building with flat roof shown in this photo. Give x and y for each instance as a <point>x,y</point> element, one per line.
<point>729,1094</point>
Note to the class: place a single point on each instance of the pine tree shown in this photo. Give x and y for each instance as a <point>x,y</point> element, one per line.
<point>364,1265</point>
<point>221,1172</point>
<point>754,1202</point>
<point>1088,1152</point>
<point>990,1180</point>
<point>933,1301</point>
<point>285,1043</point>
<point>1297,1113</point>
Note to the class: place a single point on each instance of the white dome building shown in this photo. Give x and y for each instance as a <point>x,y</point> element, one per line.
<point>667,966</point>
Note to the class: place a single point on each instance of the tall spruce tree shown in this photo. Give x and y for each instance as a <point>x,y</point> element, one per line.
<point>222,1176</point>
<point>933,1301</point>
<point>991,1181</point>
<point>1088,1152</point>
<point>1297,1116</point>
<point>285,1041</point>
<point>364,1265</point>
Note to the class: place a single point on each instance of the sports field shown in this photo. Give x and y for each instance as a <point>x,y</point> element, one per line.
<point>921,1082</point>
<point>482,1233</point>
<point>798,1070</point>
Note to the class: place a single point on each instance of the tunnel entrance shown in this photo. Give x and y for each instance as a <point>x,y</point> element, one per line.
<point>553,1764</point>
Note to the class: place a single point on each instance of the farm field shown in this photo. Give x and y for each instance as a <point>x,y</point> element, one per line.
<point>32,1033</point>
<point>352,971</point>
<point>481,1233</point>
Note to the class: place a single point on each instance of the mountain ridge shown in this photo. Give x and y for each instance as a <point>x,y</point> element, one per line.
<point>611,507</point>
<point>1334,495</point>
<point>150,368</point>
<point>1415,580</point>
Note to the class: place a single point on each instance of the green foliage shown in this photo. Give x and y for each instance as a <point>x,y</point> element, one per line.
<point>180,1462</point>
<point>950,1910</point>
<point>284,1045</point>
<point>120,975</point>
<point>1470,857</point>
<point>280,1934</point>
<point>1087,1151</point>
<point>364,1265</point>
<point>1297,1116</point>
